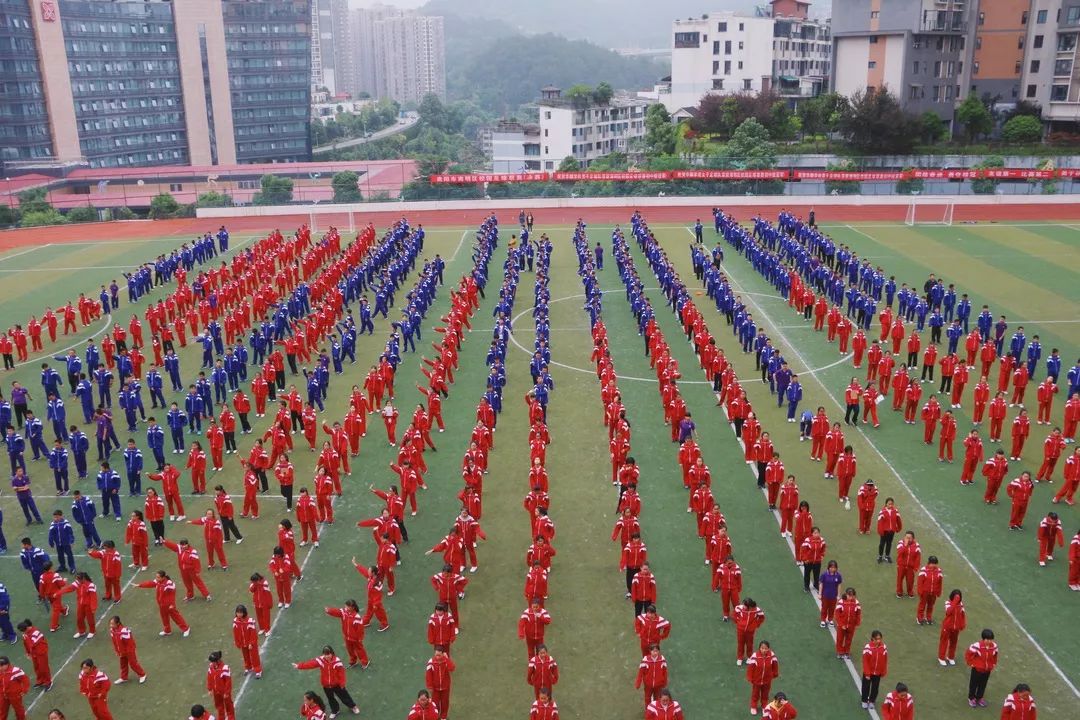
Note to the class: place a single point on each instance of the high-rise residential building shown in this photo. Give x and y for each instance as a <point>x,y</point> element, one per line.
<point>332,55</point>
<point>918,49</point>
<point>997,42</point>
<point>512,147</point>
<point>131,83</point>
<point>587,131</point>
<point>721,53</point>
<point>410,58</point>
<point>1050,76</point>
<point>362,24</point>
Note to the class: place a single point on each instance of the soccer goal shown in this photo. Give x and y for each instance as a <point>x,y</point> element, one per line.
<point>929,213</point>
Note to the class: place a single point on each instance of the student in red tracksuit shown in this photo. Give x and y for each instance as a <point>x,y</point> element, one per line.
<point>1071,473</point>
<point>1020,490</point>
<point>307,514</point>
<point>86,604</point>
<point>352,632</point>
<point>981,398</point>
<point>219,685</point>
<point>214,538</point>
<point>748,618</point>
<point>332,678</point>
<point>947,436</point>
<point>761,669</point>
<point>532,625</point>
<point>998,410</point>
<point>787,502</point>
<point>846,468</point>
<point>442,629</point>
<point>1053,447</point>
<point>94,684</point>
<point>282,569</point>
<point>170,488</point>
<point>928,586</point>
<point>848,617</point>
<point>246,639</point>
<point>908,559</point>
<point>889,522</point>
<point>1045,395</point>
<point>449,587</point>
<point>870,396</point>
<point>123,642</point>
<point>994,470</point>
<point>1074,563</point>
<point>187,558</point>
<point>651,628</point>
<point>14,684</point>
<point>652,674</point>
<point>165,593</point>
<point>1049,534</point>
<point>196,462</point>
<point>931,413</point>
<point>982,658</point>
<point>437,678</point>
<point>544,708</point>
<point>875,665</point>
<point>951,626</point>
<point>262,600</point>
<point>1019,705</point>
<point>51,589</point>
<point>374,595</point>
<point>866,501</point>
<point>423,708</point>
<point>112,567</point>
<point>37,649</point>
<point>543,671</point>
<point>1021,428</point>
<point>973,457</point>
<point>729,583</point>
<point>898,704</point>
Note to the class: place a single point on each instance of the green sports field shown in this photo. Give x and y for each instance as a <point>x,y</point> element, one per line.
<point>1028,272</point>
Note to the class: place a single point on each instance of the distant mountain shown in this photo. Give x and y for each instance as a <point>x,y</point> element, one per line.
<point>608,23</point>
<point>499,68</point>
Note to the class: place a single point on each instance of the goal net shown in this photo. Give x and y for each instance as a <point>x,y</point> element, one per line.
<point>929,213</point>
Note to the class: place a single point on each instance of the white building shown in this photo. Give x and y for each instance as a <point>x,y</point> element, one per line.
<point>588,132</point>
<point>362,26</point>
<point>512,147</point>
<point>725,53</point>
<point>332,63</point>
<point>1050,73</point>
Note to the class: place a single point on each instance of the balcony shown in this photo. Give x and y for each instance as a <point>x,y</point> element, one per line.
<point>937,25</point>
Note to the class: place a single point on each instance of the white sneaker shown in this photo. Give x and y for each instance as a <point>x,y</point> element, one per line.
<point>315,544</point>
<point>77,635</point>
<point>89,636</point>
<point>163,633</point>
<point>143,679</point>
<point>738,663</point>
<point>239,540</point>
<point>181,517</point>
<point>187,632</point>
<point>473,569</point>
<point>119,681</point>
<point>172,518</point>
<point>287,606</point>
<point>942,663</point>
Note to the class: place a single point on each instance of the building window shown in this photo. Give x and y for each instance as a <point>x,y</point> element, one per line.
<point>716,47</point>
<point>748,84</point>
<point>875,14</point>
<point>913,92</point>
<point>1072,15</point>
<point>742,26</point>
<point>1040,17</point>
<point>915,68</point>
<point>1063,67</point>
<point>175,187</point>
<point>740,64</point>
<point>727,47</point>
<point>1035,65</point>
<point>978,42</point>
<point>715,67</point>
<point>721,27</point>
<point>1066,43</point>
<point>1038,42</point>
<point>982,18</point>
<point>1020,42</point>
<point>740,44</point>
<point>1024,17</point>
<point>727,67</point>
<point>1059,93</point>
<point>687,39</point>
<point>871,65</point>
<point>718,84</point>
<point>1031,89</point>
<point>873,39</point>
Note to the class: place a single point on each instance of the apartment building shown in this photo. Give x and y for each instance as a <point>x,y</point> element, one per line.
<point>918,49</point>
<point>1051,72</point>
<point>781,49</point>
<point>138,83</point>
<point>512,147</point>
<point>587,132</point>
<point>362,25</point>
<point>333,59</point>
<point>998,43</point>
<point>410,58</point>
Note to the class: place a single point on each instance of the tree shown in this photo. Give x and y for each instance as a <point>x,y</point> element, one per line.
<point>34,201</point>
<point>842,187</point>
<point>8,215</point>
<point>603,93</point>
<point>932,127</point>
<point>750,147</point>
<point>987,186</point>
<point>912,186</point>
<point>213,199</point>
<point>274,191</point>
<point>579,95</point>
<point>874,123</point>
<point>1022,129</point>
<point>81,214</point>
<point>346,187</point>
<point>162,206</point>
<point>975,117</point>
<point>569,164</point>
<point>820,115</point>
<point>659,132</point>
<point>1024,107</point>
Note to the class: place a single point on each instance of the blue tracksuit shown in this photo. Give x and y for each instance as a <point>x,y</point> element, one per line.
<point>61,538</point>
<point>108,482</point>
<point>84,513</point>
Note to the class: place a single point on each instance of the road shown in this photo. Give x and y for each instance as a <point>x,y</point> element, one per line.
<point>403,124</point>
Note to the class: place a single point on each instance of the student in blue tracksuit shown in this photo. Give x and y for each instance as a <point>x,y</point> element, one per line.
<point>61,539</point>
<point>1034,352</point>
<point>1053,365</point>
<point>3,540</point>
<point>7,631</point>
<point>194,407</point>
<point>33,560</point>
<point>133,465</point>
<point>50,380</point>
<point>1017,344</point>
<point>172,367</point>
<point>84,513</point>
<point>80,446</point>
<point>176,420</point>
<point>58,463</point>
<point>16,446</point>
<point>155,440</point>
<point>794,397</point>
<point>220,380</point>
<point>108,482</point>
<point>85,392</point>
<point>1073,376</point>
<point>156,385</point>
<point>92,355</point>
<point>35,435</point>
<point>73,365</point>
<point>963,312</point>
<point>104,379</point>
<point>128,406</point>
